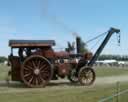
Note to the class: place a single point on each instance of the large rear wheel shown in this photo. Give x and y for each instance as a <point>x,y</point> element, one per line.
<point>36,71</point>
<point>86,76</point>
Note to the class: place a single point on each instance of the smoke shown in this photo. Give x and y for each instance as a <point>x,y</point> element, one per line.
<point>54,19</point>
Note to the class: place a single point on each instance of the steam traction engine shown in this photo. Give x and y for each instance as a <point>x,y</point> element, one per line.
<point>36,63</point>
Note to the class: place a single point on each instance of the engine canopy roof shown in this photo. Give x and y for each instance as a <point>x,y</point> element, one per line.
<point>31,43</point>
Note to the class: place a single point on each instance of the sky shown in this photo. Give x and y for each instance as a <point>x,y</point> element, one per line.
<point>58,19</point>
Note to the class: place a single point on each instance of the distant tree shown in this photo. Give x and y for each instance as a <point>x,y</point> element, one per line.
<point>83,48</point>
<point>3,59</point>
<point>116,57</point>
<point>71,47</point>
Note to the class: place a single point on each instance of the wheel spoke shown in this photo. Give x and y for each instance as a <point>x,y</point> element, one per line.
<point>39,80</point>
<point>90,75</point>
<point>38,63</point>
<point>43,67</point>
<point>26,75</point>
<point>42,80</point>
<point>45,76</point>
<point>41,63</point>
<point>89,72</point>
<point>33,63</point>
<point>29,64</point>
<point>30,79</point>
<point>35,81</point>
<point>44,71</point>
<point>28,67</point>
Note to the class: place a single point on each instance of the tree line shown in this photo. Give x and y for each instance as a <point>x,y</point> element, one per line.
<point>3,59</point>
<point>115,57</point>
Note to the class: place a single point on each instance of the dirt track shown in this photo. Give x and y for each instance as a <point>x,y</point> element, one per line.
<point>14,87</point>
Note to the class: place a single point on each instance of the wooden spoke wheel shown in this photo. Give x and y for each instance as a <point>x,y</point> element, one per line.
<point>86,76</point>
<point>36,71</point>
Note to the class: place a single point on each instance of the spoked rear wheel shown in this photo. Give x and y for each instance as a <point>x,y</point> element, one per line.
<point>36,71</point>
<point>86,76</point>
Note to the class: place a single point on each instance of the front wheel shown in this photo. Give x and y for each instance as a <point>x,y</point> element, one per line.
<point>86,76</point>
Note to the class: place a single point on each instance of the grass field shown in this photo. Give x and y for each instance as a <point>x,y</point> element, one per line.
<point>106,71</point>
<point>62,92</point>
<point>71,94</point>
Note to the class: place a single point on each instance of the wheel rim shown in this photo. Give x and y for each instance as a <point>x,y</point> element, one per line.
<point>86,76</point>
<point>36,71</point>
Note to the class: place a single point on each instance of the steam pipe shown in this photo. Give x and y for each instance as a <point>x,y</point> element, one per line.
<point>78,44</point>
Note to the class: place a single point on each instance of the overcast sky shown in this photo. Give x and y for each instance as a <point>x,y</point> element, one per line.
<point>58,19</point>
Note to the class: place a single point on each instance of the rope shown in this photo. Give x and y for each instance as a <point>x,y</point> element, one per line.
<point>97,41</point>
<point>95,44</point>
<point>96,37</point>
<point>114,95</point>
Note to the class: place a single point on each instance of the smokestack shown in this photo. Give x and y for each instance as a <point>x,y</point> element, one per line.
<point>78,44</point>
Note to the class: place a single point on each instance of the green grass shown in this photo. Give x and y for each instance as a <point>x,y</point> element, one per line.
<point>17,93</point>
<point>121,98</point>
<point>105,71</point>
<point>78,94</point>
<point>3,71</point>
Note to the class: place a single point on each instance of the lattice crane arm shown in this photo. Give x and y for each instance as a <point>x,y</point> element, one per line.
<point>103,44</point>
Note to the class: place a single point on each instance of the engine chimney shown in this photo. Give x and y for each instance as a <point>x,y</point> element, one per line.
<point>78,44</point>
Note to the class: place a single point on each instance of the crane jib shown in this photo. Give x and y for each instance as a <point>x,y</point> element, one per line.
<point>103,44</point>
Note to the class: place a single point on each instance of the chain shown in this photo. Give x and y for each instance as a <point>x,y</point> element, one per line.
<point>118,38</point>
